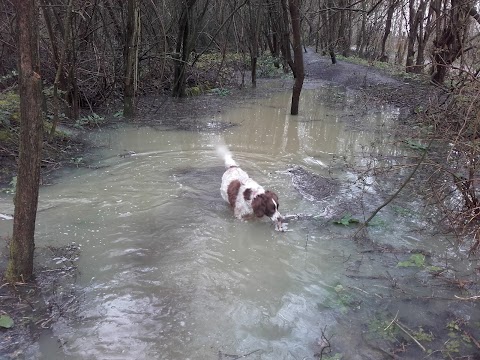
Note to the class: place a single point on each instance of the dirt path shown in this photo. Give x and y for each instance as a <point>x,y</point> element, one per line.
<point>344,73</point>
<point>372,82</point>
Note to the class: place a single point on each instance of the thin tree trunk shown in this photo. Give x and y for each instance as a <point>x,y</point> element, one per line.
<point>66,41</point>
<point>131,58</point>
<point>388,27</point>
<point>285,47</point>
<point>362,33</point>
<point>411,37</point>
<point>294,7</point>
<point>20,265</point>
<point>253,61</point>
<point>183,49</point>
<point>254,34</point>
<point>415,18</point>
<point>449,46</point>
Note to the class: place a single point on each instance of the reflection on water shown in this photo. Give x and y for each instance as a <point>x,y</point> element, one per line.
<point>167,272</point>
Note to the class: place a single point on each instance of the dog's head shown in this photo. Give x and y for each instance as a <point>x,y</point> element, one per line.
<point>267,204</point>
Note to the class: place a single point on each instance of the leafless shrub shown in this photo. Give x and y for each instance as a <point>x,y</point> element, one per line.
<point>454,163</point>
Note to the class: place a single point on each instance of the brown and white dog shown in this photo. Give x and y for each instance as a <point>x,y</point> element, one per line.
<point>246,197</point>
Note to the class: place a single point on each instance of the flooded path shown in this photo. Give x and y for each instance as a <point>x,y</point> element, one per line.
<point>167,272</point>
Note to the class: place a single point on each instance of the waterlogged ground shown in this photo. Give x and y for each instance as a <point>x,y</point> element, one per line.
<point>166,272</point>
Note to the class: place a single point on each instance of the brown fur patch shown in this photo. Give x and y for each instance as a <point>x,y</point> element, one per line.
<point>258,205</point>
<point>232,192</point>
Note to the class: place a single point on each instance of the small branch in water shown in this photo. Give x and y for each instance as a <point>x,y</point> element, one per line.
<point>324,344</point>
<point>234,356</point>
<point>475,341</point>
<point>356,288</point>
<point>476,297</point>
<point>389,200</point>
<point>299,216</point>
<point>306,243</point>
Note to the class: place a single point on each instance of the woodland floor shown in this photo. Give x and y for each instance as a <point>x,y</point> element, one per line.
<point>25,303</point>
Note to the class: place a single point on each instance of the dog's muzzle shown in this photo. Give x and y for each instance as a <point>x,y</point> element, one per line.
<point>277,219</point>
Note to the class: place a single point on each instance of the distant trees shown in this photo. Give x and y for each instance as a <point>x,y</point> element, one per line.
<point>96,52</point>
<point>434,33</point>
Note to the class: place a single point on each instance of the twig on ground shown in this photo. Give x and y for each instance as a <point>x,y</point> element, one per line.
<point>396,322</point>
<point>391,322</point>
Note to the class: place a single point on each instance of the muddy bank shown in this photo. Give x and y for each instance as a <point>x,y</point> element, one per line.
<point>36,305</point>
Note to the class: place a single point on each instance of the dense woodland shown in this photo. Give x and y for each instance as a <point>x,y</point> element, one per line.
<point>94,51</point>
<point>88,54</point>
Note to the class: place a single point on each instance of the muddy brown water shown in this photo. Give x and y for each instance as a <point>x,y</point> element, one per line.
<point>167,272</point>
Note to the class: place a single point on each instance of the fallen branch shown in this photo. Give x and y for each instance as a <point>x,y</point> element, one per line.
<point>234,356</point>
<point>300,216</point>
<point>471,298</point>
<point>356,288</point>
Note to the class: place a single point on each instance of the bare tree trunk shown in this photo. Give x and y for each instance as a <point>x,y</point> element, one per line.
<point>388,27</point>
<point>183,48</point>
<point>285,42</point>
<point>333,29</point>
<point>254,23</point>
<point>415,18</point>
<point>20,265</point>
<point>294,7</point>
<point>449,46</point>
<point>361,42</point>
<point>344,30</point>
<point>66,41</point>
<point>400,50</point>
<point>411,36</point>
<point>274,20</point>
<point>131,57</point>
<point>422,39</point>
<point>348,42</point>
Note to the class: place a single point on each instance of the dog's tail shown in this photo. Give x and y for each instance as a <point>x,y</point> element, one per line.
<point>224,153</point>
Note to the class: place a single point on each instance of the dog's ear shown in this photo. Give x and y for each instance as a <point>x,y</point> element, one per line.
<point>274,196</point>
<point>259,205</point>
